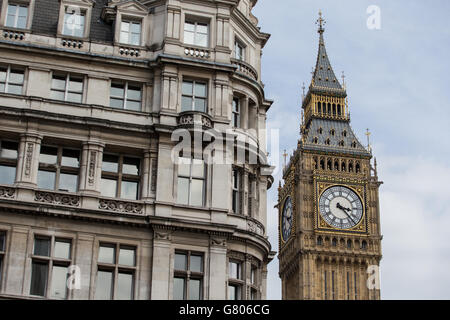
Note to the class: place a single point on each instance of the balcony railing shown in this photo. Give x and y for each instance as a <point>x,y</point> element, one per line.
<point>245,68</point>
<point>197,52</point>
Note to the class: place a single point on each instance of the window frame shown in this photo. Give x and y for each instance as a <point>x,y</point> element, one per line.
<point>51,261</point>
<point>116,268</point>
<point>236,193</point>
<point>8,82</point>
<point>58,168</point>
<point>130,21</point>
<point>191,178</point>
<point>119,176</point>
<point>68,76</point>
<point>188,274</point>
<point>18,4</point>
<point>239,282</point>
<point>10,162</point>
<point>83,13</point>
<point>242,48</point>
<point>193,97</point>
<point>125,98</point>
<point>195,22</point>
<point>236,112</point>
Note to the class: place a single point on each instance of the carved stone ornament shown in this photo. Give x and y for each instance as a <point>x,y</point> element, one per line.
<point>57,198</point>
<point>159,235</point>
<point>28,158</point>
<point>120,206</point>
<point>6,192</point>
<point>91,171</point>
<point>218,242</point>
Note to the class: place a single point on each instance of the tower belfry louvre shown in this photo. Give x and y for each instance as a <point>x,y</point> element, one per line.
<point>329,219</point>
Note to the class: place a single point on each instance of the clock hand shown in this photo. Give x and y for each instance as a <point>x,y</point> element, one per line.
<point>338,205</point>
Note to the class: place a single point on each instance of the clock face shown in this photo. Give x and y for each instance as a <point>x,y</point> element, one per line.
<point>341,207</point>
<point>286,219</point>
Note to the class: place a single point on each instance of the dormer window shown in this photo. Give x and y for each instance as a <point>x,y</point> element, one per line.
<point>74,23</point>
<point>196,33</point>
<point>130,32</point>
<point>17,16</point>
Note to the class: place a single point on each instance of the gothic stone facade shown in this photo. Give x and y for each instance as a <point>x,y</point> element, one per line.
<point>90,94</point>
<point>330,239</point>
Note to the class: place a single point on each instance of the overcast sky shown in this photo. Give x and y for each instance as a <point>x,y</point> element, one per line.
<point>398,86</point>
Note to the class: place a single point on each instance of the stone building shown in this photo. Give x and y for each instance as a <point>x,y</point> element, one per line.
<point>94,202</point>
<point>329,213</point>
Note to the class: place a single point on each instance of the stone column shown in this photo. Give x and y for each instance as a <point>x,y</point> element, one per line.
<point>83,260</point>
<point>244,112</point>
<point>28,159</point>
<point>264,282</point>
<point>161,269</point>
<point>91,167</point>
<point>15,270</point>
<point>217,269</point>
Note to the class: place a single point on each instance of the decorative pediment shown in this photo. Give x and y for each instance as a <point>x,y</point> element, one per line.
<point>81,3</point>
<point>109,12</point>
<point>132,6</point>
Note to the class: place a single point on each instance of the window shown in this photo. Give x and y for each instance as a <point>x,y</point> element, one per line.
<point>334,242</point>
<point>348,285</point>
<point>11,80</point>
<point>364,245</point>
<point>196,33</point>
<point>120,177</point>
<point>236,113</point>
<point>319,241</point>
<point>74,23</point>
<point>116,272</point>
<point>236,205</point>
<point>67,88</point>
<point>58,169</point>
<point>2,253</point>
<point>125,96</point>
<point>325,285</point>
<point>130,32</point>
<point>17,16</point>
<point>50,261</point>
<point>188,276</point>
<point>349,244</point>
<point>8,161</point>
<point>239,51</point>
<point>333,297</point>
<point>191,181</point>
<point>254,283</point>
<point>235,280</point>
<point>194,96</point>
<point>355,281</point>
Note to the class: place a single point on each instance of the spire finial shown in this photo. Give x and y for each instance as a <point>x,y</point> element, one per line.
<point>303,94</point>
<point>368,140</point>
<point>321,22</point>
<point>343,79</point>
<point>285,156</point>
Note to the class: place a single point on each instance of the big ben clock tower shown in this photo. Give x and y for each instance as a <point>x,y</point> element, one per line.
<point>329,218</point>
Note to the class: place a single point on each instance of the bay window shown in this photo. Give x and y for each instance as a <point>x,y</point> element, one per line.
<point>194,96</point>
<point>188,276</point>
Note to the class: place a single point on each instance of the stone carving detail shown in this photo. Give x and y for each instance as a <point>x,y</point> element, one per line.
<point>154,172</point>
<point>161,235</point>
<point>6,192</point>
<point>186,119</point>
<point>120,206</point>
<point>218,242</point>
<point>255,227</point>
<point>195,119</point>
<point>28,158</point>
<point>57,198</point>
<point>91,170</point>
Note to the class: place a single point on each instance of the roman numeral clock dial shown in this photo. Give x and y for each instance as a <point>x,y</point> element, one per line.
<point>286,219</point>
<point>340,207</point>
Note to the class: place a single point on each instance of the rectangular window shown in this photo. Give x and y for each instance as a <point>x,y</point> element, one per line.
<point>237,191</point>
<point>74,23</point>
<point>125,95</point>
<point>254,294</point>
<point>67,88</point>
<point>194,96</point>
<point>236,113</point>
<point>11,80</point>
<point>130,32</point>
<point>191,181</point>
<point>196,33</point>
<point>188,276</point>
<point>235,281</point>
<point>325,284</point>
<point>2,253</point>
<point>58,169</point>
<point>356,286</point>
<point>116,272</point>
<point>17,16</point>
<point>238,50</point>
<point>120,177</point>
<point>50,260</point>
<point>8,161</point>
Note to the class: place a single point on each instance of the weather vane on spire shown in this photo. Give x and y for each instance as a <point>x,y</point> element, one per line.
<point>321,22</point>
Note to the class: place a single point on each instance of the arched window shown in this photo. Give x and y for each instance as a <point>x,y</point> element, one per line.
<point>350,167</point>
<point>336,165</point>
<point>322,164</point>
<point>334,109</point>
<point>320,130</point>
<point>315,162</point>
<point>354,144</point>
<point>329,164</point>
<point>364,245</point>
<point>329,109</point>
<point>319,107</point>
<point>327,142</point>
<point>334,242</point>
<point>339,110</point>
<point>319,241</point>
<point>343,168</point>
<point>316,140</point>
<point>357,168</point>
<point>349,244</point>
<point>332,132</point>
<point>344,133</point>
<point>341,143</point>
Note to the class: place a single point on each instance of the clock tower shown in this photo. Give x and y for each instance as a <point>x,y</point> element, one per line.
<point>329,217</point>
